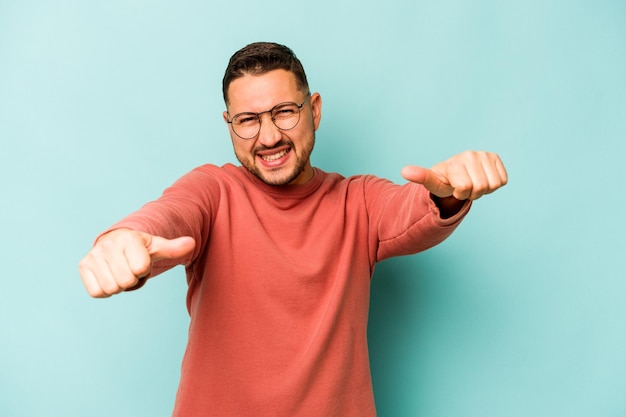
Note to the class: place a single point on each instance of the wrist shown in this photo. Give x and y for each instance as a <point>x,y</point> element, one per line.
<point>448,206</point>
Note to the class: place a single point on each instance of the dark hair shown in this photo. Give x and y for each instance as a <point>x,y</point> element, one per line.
<point>261,57</point>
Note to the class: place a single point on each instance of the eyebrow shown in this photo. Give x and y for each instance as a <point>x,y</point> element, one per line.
<point>273,107</point>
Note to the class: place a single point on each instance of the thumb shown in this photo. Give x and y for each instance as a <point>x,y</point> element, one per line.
<point>161,248</point>
<point>432,181</point>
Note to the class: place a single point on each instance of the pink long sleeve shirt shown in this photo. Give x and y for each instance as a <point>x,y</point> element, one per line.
<point>279,285</point>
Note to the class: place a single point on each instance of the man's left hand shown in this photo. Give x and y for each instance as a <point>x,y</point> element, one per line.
<point>466,176</point>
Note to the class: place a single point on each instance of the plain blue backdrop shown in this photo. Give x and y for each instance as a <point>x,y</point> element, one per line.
<point>520,313</point>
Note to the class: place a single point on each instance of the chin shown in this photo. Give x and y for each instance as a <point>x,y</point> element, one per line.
<point>278,178</point>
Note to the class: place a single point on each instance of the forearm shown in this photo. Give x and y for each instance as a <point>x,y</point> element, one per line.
<point>412,222</point>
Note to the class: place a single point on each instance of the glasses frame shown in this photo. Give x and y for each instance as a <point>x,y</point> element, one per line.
<point>258,116</point>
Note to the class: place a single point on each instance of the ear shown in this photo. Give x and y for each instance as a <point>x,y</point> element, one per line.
<point>316,109</point>
<point>225,116</point>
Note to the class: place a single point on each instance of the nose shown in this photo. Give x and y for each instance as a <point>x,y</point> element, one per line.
<point>269,134</point>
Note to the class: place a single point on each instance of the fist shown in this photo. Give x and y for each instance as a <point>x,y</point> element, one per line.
<point>466,176</point>
<point>120,258</point>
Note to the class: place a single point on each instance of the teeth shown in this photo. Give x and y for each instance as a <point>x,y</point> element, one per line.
<point>274,157</point>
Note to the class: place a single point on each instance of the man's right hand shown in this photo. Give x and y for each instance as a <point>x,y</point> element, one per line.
<point>120,258</point>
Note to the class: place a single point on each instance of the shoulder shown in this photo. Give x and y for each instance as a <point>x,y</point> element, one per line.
<point>211,174</point>
<point>361,187</point>
<point>204,183</point>
<point>364,180</point>
<point>214,171</point>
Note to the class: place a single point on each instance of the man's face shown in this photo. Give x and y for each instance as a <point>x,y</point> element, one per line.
<point>277,157</point>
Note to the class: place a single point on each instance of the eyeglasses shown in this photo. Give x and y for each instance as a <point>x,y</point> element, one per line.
<point>285,116</point>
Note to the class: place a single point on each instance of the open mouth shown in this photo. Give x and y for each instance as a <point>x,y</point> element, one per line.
<point>273,158</point>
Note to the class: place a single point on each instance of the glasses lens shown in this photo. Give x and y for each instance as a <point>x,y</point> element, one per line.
<point>246,125</point>
<point>286,115</point>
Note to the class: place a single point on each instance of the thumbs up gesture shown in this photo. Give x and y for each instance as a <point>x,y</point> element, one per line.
<point>466,176</point>
<point>120,258</point>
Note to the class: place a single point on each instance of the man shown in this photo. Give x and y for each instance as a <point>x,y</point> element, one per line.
<point>279,254</point>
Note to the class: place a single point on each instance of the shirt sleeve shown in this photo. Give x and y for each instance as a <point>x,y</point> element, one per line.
<point>184,209</point>
<point>404,218</point>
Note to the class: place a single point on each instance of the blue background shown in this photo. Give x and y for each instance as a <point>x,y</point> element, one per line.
<point>520,313</point>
